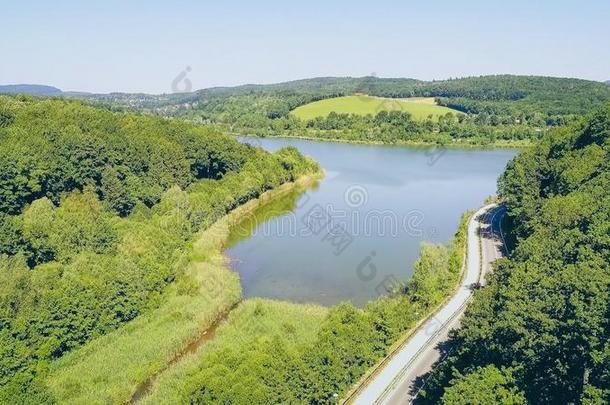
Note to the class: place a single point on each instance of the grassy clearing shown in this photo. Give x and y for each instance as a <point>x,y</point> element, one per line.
<point>420,108</point>
<point>255,321</point>
<point>110,368</point>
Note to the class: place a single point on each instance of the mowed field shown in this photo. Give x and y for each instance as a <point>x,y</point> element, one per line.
<point>419,107</point>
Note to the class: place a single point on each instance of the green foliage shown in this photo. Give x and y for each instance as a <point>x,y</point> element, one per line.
<point>427,281</point>
<point>117,188</point>
<point>79,224</point>
<point>53,147</point>
<point>254,358</point>
<point>11,240</point>
<point>397,126</point>
<point>94,222</point>
<point>108,369</point>
<point>545,313</point>
<point>484,386</point>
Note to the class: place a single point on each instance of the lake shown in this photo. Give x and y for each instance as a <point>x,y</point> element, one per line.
<point>358,232</point>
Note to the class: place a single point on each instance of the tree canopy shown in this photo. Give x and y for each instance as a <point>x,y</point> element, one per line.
<point>545,314</point>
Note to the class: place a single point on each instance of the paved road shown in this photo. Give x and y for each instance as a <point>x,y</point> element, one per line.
<point>400,379</point>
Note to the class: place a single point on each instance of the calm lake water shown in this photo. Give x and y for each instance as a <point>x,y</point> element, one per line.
<point>358,232</point>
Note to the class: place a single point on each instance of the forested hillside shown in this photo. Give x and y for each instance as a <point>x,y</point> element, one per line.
<point>97,210</point>
<point>488,109</point>
<point>53,147</point>
<point>540,331</point>
<point>32,89</point>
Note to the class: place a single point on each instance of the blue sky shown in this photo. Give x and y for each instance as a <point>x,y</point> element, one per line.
<point>142,46</point>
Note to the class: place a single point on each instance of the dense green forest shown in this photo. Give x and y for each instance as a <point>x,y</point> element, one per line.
<point>539,333</point>
<point>97,210</point>
<point>489,109</point>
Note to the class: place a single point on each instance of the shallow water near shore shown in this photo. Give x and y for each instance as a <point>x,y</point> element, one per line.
<point>357,233</point>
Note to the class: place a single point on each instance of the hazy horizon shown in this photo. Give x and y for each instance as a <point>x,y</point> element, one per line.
<point>285,81</point>
<point>119,47</point>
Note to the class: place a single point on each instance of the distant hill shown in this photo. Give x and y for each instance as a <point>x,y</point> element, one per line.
<point>501,95</point>
<point>607,82</point>
<point>34,89</point>
<point>38,90</point>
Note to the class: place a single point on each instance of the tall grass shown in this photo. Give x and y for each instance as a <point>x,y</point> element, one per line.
<point>109,369</point>
<point>255,321</point>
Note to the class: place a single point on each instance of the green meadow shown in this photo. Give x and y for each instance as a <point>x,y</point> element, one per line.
<point>419,107</point>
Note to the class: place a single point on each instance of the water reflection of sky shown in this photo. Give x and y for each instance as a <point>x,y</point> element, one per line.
<point>423,197</point>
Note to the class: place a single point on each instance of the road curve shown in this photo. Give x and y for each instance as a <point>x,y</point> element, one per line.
<point>401,378</point>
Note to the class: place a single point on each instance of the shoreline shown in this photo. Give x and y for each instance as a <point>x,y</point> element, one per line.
<point>203,295</point>
<point>374,370</point>
<point>412,144</point>
<point>217,246</point>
